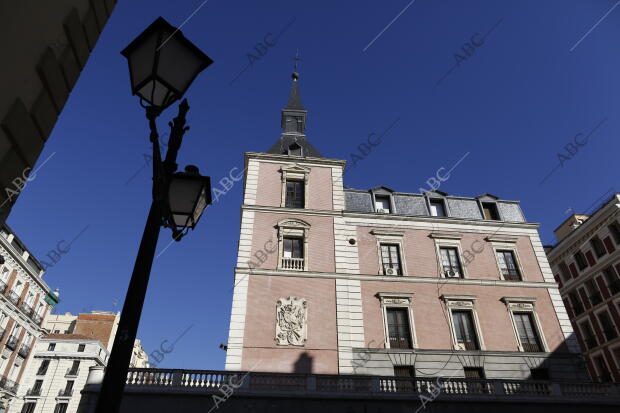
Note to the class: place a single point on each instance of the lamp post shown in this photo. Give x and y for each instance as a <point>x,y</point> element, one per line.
<point>162,66</point>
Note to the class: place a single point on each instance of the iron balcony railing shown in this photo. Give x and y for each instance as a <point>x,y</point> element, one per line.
<point>11,342</point>
<point>8,385</point>
<point>210,381</point>
<point>72,372</point>
<point>511,275</point>
<point>469,345</point>
<point>65,392</point>
<point>24,349</point>
<point>26,309</point>
<point>13,297</point>
<point>532,347</point>
<point>36,318</point>
<point>34,392</point>
<point>2,287</point>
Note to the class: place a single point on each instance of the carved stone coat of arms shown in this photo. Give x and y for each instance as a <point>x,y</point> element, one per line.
<point>291,321</point>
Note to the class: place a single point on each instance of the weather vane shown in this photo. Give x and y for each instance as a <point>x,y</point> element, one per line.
<point>296,59</point>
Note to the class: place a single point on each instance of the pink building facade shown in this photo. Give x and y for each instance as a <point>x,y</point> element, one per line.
<point>378,282</point>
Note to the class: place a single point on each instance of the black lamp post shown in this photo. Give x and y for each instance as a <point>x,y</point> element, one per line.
<point>162,65</point>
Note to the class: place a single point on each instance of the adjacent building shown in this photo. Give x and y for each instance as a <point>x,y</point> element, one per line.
<point>45,46</point>
<point>332,280</point>
<point>61,361</point>
<point>586,264</point>
<point>25,300</point>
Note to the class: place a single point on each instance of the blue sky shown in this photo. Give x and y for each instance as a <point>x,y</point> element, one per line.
<point>508,107</point>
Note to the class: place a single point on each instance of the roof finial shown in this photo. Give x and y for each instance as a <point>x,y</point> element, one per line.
<point>296,59</point>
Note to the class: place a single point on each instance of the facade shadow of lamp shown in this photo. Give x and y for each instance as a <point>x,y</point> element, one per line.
<point>303,365</point>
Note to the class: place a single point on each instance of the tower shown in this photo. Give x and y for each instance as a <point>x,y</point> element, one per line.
<point>345,281</point>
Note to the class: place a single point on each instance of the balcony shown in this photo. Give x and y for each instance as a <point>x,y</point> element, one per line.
<point>65,392</point>
<point>2,287</point>
<point>590,342</point>
<point>13,297</point>
<point>72,372</point>
<point>532,347</point>
<point>36,318</point>
<point>26,309</point>
<point>2,331</point>
<point>8,385</point>
<point>34,392</point>
<point>295,264</point>
<point>11,342</point>
<point>24,349</point>
<point>610,333</point>
<point>596,298</point>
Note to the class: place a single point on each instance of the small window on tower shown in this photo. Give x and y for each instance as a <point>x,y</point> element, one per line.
<point>490,211</point>
<point>295,150</point>
<point>382,204</point>
<point>437,208</point>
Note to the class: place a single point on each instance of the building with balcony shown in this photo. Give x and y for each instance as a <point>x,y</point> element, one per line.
<point>41,68</point>
<point>586,264</point>
<point>332,280</point>
<point>25,300</point>
<point>55,376</point>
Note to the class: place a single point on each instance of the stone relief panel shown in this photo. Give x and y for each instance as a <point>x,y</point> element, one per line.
<point>291,321</point>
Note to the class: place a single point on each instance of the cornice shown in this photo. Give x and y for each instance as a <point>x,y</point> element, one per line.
<point>300,160</point>
<point>18,263</point>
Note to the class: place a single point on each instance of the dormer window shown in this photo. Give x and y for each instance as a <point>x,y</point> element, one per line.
<point>295,150</point>
<point>489,210</point>
<point>437,208</point>
<point>382,204</point>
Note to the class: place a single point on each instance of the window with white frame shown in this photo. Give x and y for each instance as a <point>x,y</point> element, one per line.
<point>5,272</point>
<point>464,324</point>
<point>437,207</point>
<point>294,186</point>
<point>451,265</point>
<point>390,259</point>
<point>398,320</point>
<point>293,244</point>
<point>382,204</point>
<point>508,265</point>
<point>526,324</point>
<point>390,251</point>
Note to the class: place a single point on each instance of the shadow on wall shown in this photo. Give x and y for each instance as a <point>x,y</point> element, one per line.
<point>303,365</point>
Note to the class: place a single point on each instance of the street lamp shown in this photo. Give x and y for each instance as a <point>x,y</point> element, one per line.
<point>162,66</point>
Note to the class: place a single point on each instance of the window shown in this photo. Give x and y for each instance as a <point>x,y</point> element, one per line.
<point>614,229</point>
<point>398,328</point>
<point>437,208</point>
<point>56,331</point>
<point>36,388</point>
<point>581,261</point>
<point>613,282</point>
<point>294,194</point>
<point>593,292</point>
<point>81,348</point>
<point>28,407</point>
<point>575,302</point>
<point>489,210</point>
<point>602,371</point>
<point>390,258</point>
<point>608,326</point>
<point>588,335</point>
<point>508,265</point>
<point>75,366</point>
<point>406,372</point>
<point>598,247</point>
<point>61,408</point>
<point>293,248</point>
<point>51,347</point>
<point>464,331</point>
<point>382,204</point>
<point>539,374</point>
<point>528,337</point>
<point>564,271</point>
<point>294,150</point>
<point>450,262</point>
<point>43,368</point>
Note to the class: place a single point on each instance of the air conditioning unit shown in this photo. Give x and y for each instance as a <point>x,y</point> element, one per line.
<point>383,211</point>
<point>391,271</point>
<point>451,274</point>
